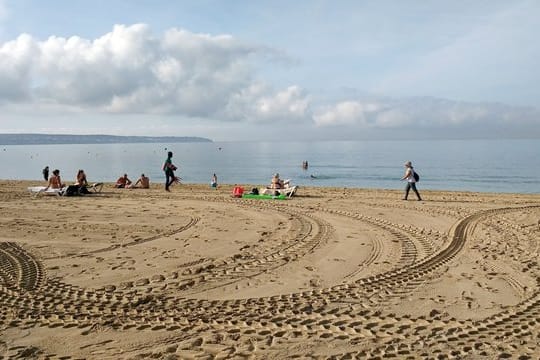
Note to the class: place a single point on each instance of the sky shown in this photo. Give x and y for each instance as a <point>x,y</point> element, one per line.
<point>244,70</point>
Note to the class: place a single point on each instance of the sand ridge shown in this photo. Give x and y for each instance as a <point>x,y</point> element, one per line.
<point>332,273</point>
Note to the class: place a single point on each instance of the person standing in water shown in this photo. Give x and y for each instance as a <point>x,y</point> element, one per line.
<point>46,173</point>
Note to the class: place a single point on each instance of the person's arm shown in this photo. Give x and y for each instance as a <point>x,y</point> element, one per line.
<point>49,185</point>
<point>407,174</point>
<point>168,165</point>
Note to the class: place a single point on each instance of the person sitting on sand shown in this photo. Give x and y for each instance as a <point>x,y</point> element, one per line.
<point>123,182</point>
<point>55,182</point>
<point>144,181</point>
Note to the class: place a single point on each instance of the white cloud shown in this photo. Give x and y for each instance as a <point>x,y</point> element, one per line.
<point>187,81</point>
<point>130,70</point>
<point>426,115</point>
<point>346,113</point>
<point>16,62</point>
<point>259,103</point>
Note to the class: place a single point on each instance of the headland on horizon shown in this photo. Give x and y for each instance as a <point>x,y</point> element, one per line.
<point>43,139</point>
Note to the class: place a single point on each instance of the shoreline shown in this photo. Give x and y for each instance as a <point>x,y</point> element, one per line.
<point>203,186</point>
<point>338,273</point>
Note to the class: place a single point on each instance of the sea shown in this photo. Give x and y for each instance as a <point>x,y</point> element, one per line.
<point>501,166</point>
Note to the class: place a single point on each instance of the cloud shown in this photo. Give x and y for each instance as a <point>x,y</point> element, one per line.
<point>427,115</point>
<point>132,71</point>
<point>259,103</point>
<point>346,113</point>
<point>184,81</point>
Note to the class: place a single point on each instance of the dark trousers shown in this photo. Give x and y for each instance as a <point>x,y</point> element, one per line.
<point>410,186</point>
<point>169,178</point>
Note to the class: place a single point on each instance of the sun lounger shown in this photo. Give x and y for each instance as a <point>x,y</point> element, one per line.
<point>287,191</point>
<point>37,190</point>
<point>43,190</point>
<point>95,187</point>
<point>263,196</point>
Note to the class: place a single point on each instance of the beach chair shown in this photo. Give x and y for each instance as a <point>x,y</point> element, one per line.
<point>95,187</point>
<point>73,190</point>
<point>43,190</point>
<point>288,191</point>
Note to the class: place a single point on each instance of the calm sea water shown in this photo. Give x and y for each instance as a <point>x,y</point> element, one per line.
<point>472,165</point>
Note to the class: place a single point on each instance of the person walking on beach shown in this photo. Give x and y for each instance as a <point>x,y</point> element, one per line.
<point>46,173</point>
<point>169,169</point>
<point>411,181</point>
<point>213,182</point>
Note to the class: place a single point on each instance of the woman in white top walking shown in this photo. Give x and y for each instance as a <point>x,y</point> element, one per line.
<point>411,181</point>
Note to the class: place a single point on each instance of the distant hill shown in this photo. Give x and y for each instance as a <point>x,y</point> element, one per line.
<point>43,139</point>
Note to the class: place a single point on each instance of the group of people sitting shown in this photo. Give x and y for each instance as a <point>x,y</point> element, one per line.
<point>80,186</point>
<point>124,182</point>
<point>81,183</point>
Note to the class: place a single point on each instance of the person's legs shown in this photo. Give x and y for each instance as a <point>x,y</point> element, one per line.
<point>413,185</point>
<point>169,179</point>
<point>407,188</point>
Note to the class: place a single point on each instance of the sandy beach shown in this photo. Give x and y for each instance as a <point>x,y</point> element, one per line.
<point>332,273</point>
